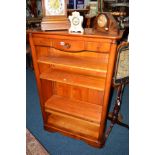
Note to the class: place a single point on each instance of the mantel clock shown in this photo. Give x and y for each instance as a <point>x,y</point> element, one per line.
<point>54,15</point>
<point>106,23</point>
<point>76,23</point>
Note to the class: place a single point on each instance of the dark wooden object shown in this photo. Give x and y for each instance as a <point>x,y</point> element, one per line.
<point>120,79</point>
<point>74,77</point>
<point>112,25</point>
<point>115,114</point>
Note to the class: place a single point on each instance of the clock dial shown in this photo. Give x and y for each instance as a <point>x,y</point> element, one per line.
<point>75,21</point>
<point>102,20</point>
<point>55,7</point>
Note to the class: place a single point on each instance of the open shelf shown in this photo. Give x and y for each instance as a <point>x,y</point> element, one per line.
<point>74,79</point>
<point>73,125</point>
<point>78,109</point>
<point>75,63</point>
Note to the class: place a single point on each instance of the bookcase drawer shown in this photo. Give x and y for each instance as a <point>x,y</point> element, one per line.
<point>68,45</point>
<point>42,41</point>
<point>97,46</point>
<point>73,45</point>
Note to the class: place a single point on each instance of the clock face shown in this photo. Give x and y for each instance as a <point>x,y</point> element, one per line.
<point>54,7</point>
<point>102,20</point>
<point>75,21</point>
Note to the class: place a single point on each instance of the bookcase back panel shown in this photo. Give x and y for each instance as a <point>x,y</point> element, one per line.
<point>50,88</point>
<point>88,63</point>
<point>78,93</point>
<point>94,56</point>
<point>101,57</point>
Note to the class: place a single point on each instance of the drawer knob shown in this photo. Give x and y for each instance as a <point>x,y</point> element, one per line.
<point>65,45</point>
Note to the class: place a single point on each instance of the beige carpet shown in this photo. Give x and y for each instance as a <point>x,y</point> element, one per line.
<point>33,147</point>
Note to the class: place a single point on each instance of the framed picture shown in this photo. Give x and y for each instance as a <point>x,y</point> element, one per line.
<point>54,15</point>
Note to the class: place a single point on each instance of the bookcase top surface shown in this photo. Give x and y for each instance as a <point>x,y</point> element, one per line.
<point>88,32</point>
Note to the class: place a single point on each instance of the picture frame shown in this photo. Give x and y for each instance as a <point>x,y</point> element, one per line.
<point>54,15</point>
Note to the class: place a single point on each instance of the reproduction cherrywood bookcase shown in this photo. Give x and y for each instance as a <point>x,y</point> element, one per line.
<point>74,76</point>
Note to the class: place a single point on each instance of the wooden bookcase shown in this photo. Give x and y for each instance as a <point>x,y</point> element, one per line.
<point>74,74</point>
